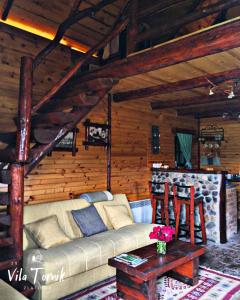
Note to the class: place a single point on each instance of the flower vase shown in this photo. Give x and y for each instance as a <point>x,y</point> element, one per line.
<point>161,247</point>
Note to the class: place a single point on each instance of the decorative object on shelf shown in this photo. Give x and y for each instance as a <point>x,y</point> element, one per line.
<point>68,143</point>
<point>155,139</point>
<point>229,88</point>
<point>211,138</point>
<point>211,134</point>
<point>162,234</point>
<point>230,115</point>
<point>96,134</point>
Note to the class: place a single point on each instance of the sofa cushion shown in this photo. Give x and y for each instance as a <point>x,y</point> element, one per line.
<point>89,220</point>
<point>97,196</point>
<point>118,199</point>
<point>47,232</point>
<point>84,254</point>
<point>118,215</point>
<point>61,209</point>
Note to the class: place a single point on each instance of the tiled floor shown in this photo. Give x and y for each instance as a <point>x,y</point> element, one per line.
<point>224,257</point>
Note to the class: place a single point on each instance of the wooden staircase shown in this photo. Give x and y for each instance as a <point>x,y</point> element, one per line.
<point>39,129</point>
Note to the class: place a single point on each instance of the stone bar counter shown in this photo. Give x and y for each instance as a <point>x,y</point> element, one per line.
<point>219,198</point>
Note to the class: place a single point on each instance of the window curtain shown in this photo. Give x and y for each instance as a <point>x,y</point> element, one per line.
<point>185,141</point>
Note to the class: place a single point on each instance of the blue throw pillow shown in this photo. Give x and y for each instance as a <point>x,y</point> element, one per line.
<point>88,220</point>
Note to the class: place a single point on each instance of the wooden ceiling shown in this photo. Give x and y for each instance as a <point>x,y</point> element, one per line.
<point>47,15</point>
<point>173,18</point>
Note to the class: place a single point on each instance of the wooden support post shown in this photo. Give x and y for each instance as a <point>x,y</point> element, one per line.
<point>24,110</point>
<point>109,152</point>
<point>16,208</point>
<point>132,28</point>
<point>198,143</point>
<point>222,212</point>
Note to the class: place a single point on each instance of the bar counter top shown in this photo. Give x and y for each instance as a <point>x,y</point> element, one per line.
<point>198,171</point>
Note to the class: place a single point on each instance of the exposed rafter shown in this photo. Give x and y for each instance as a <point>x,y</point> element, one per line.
<point>220,107</point>
<point>6,9</point>
<point>157,31</point>
<point>217,38</point>
<point>189,102</point>
<point>176,86</point>
<point>74,16</point>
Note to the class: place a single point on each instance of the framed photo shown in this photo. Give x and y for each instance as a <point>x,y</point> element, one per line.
<point>68,143</point>
<point>95,134</point>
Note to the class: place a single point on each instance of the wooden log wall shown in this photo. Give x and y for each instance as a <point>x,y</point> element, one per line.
<point>229,152</point>
<point>61,176</point>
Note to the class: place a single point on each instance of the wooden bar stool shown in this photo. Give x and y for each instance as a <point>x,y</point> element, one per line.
<point>190,203</point>
<point>163,197</point>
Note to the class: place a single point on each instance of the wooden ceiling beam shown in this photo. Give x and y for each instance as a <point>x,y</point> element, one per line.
<point>6,9</point>
<point>214,114</point>
<point>158,30</point>
<point>181,85</point>
<point>188,102</point>
<point>213,40</point>
<point>227,105</point>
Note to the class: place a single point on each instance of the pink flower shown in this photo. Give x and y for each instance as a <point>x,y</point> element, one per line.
<point>162,233</point>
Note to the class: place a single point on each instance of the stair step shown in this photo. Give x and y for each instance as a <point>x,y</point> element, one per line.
<point>5,176</point>
<point>4,198</point>
<point>76,86</point>
<point>50,119</point>
<point>7,241</point>
<point>66,102</point>
<point>5,220</point>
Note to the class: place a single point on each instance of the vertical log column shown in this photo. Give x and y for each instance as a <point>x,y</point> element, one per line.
<point>24,109</point>
<point>109,147</point>
<point>132,28</point>
<point>16,208</point>
<point>16,188</point>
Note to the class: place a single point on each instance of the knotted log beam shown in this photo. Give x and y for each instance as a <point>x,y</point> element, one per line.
<point>181,85</point>
<point>117,29</point>
<point>213,109</point>
<point>218,39</point>
<point>189,101</point>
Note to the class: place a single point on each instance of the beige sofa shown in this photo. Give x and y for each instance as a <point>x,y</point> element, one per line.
<point>83,261</point>
<point>9,293</point>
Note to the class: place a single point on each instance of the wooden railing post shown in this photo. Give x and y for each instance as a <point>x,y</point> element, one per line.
<point>24,109</point>
<point>132,30</point>
<point>16,208</point>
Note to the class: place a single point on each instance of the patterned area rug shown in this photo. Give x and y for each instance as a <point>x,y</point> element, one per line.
<point>212,285</point>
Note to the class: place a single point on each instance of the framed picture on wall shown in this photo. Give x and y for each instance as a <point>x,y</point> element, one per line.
<point>68,143</point>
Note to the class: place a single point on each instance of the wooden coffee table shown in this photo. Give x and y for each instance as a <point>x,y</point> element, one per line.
<point>180,262</point>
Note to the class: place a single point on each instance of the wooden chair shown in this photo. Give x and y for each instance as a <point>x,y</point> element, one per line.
<point>190,203</point>
<point>163,197</point>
